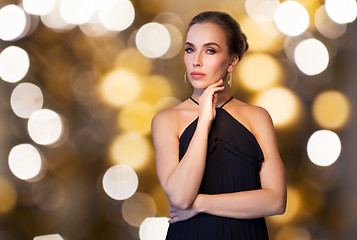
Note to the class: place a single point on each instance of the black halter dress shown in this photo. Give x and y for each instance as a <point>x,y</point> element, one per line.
<point>233,162</point>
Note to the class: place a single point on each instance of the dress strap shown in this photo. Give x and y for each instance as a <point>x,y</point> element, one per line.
<point>193,100</point>
<point>226,102</point>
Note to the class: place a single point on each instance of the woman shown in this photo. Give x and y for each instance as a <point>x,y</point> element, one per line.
<point>217,158</point>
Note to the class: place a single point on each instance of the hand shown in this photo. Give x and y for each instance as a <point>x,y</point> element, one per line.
<point>208,101</point>
<point>177,214</point>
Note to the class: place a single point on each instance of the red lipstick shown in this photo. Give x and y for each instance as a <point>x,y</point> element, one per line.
<point>197,74</point>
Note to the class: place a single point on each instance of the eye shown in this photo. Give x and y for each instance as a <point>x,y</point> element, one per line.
<point>188,50</point>
<point>211,51</point>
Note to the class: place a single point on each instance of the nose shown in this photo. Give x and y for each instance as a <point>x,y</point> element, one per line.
<point>197,61</point>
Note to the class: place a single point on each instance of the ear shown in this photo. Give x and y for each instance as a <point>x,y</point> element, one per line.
<point>234,62</point>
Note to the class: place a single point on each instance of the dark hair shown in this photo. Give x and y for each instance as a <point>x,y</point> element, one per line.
<point>236,39</point>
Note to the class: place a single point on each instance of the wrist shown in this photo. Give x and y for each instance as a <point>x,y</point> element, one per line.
<point>198,204</point>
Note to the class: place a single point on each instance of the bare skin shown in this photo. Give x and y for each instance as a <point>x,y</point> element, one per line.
<point>207,53</point>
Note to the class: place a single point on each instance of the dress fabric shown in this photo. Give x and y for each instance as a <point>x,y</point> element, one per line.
<point>233,162</point>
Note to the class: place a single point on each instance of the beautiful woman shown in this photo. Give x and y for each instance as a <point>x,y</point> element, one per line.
<point>217,157</point>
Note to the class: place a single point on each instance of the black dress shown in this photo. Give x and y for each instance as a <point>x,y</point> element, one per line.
<point>233,162</point>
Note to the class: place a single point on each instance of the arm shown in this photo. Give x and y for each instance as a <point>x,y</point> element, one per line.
<point>181,180</point>
<point>270,200</point>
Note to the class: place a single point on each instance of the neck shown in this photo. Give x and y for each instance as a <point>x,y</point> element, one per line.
<point>223,96</point>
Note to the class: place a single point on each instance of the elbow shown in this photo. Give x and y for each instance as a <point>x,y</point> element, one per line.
<point>280,207</point>
<point>180,202</point>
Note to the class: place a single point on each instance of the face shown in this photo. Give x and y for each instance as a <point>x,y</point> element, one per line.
<point>207,56</point>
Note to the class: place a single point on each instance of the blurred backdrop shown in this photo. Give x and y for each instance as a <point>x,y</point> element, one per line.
<point>80,81</point>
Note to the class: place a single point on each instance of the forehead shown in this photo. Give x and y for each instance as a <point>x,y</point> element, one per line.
<point>202,33</point>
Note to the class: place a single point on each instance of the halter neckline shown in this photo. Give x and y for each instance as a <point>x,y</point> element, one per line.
<point>193,100</point>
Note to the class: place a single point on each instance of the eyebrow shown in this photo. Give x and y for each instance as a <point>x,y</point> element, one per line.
<point>205,45</point>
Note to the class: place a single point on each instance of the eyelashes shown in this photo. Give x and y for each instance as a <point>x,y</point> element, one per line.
<point>209,51</point>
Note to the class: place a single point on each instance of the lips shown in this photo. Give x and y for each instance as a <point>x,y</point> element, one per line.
<point>197,75</point>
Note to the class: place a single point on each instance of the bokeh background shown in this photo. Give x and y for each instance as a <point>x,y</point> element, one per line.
<point>80,81</point>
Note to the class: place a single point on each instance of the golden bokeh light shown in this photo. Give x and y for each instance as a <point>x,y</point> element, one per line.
<point>270,72</point>
<point>38,7</point>
<point>323,147</point>
<point>326,26</point>
<point>131,59</point>
<point>257,31</point>
<point>261,11</point>
<point>138,207</point>
<point>311,56</point>
<point>293,233</point>
<point>131,149</point>
<point>55,21</point>
<point>136,117</point>
<point>175,43</point>
<point>291,18</point>
<point>94,28</point>
<point>154,228</point>
<point>45,127</point>
<point>290,44</point>
<point>8,196</point>
<point>120,87</point>
<point>120,182</point>
<point>341,11</point>
<point>165,103</point>
<point>293,207</point>
<point>331,109</point>
<point>172,19</point>
<point>12,22</point>
<point>155,87</point>
<point>153,40</point>
<point>117,15</point>
<point>77,11</point>
<point>25,161</point>
<point>25,99</point>
<point>14,64</point>
<point>49,237</point>
<point>282,104</point>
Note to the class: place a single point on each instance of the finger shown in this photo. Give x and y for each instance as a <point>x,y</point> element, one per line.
<point>172,209</point>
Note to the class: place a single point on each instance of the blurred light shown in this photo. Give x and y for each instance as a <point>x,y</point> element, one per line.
<point>291,18</point>
<point>94,27</point>
<point>14,64</point>
<point>324,147</point>
<point>341,11</point>
<point>161,200</point>
<point>49,237</point>
<point>165,103</point>
<point>293,233</point>
<point>138,207</point>
<point>117,15</point>
<point>45,127</point>
<point>131,149</point>
<point>38,7</point>
<point>175,44</point>
<point>331,109</point>
<point>293,207</point>
<point>120,182</point>
<point>154,228</point>
<point>136,117</point>
<point>54,19</point>
<point>25,99</point>
<point>311,56</point>
<point>326,26</point>
<point>153,40</point>
<point>270,74</point>
<point>282,104</point>
<point>171,19</point>
<point>77,11</point>
<point>261,10</point>
<point>8,196</point>
<point>154,88</point>
<point>120,87</point>
<point>131,59</point>
<point>25,161</point>
<point>257,31</point>
<point>48,194</point>
<point>290,44</point>
<point>12,22</point>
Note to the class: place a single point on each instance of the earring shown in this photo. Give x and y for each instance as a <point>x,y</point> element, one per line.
<point>185,79</point>
<point>229,82</point>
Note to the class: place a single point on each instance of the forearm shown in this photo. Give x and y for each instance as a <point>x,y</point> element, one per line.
<point>184,181</point>
<point>243,205</point>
